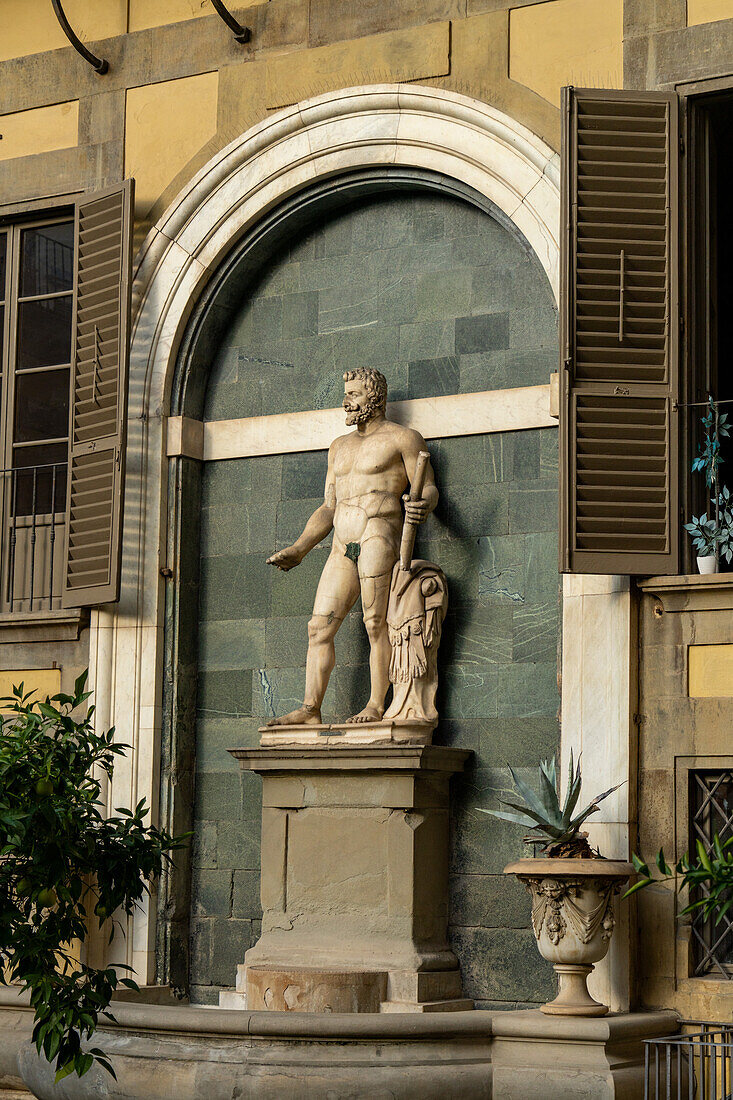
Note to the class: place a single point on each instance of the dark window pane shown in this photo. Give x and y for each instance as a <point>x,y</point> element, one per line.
<point>41,405</point>
<point>2,335</point>
<point>47,259</point>
<point>44,332</point>
<point>3,252</point>
<point>40,474</point>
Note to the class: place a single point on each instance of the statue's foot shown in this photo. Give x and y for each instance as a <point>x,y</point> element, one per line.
<point>304,716</point>
<point>369,714</point>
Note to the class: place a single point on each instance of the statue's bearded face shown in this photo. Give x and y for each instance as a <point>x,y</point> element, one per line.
<point>359,404</point>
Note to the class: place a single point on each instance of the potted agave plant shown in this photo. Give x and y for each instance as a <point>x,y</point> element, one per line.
<point>572,887</point>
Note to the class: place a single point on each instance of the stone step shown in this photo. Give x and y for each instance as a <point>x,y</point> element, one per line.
<point>459,1004</point>
<point>228,998</point>
<point>424,985</point>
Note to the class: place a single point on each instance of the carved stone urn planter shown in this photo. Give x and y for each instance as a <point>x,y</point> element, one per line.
<point>573,921</point>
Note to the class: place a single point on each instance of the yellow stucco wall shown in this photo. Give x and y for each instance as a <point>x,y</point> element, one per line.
<point>155,13</point>
<point>567,42</point>
<point>40,130</point>
<point>30,26</point>
<point>165,124</point>
<point>708,11</point>
<point>710,671</point>
<point>44,681</point>
<point>415,53</point>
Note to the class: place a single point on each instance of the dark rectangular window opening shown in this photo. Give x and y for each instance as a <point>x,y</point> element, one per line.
<point>711,813</point>
<point>710,280</point>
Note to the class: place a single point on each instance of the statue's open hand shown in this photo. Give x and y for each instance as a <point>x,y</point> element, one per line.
<point>416,511</point>
<point>286,559</point>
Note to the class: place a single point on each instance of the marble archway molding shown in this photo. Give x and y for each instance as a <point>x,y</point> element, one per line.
<point>355,128</point>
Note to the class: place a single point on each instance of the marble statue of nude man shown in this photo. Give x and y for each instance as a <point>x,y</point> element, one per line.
<point>369,473</point>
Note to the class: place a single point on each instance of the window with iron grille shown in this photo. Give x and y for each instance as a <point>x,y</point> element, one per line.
<point>64,306</point>
<point>711,812</point>
<point>38,262</point>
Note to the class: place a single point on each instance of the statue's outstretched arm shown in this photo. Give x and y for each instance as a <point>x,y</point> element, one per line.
<point>315,530</point>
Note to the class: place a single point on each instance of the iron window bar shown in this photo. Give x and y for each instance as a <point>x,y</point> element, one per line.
<point>711,813</point>
<point>241,34</point>
<point>99,64</point>
<point>697,1065</point>
<point>700,404</point>
<point>34,520</point>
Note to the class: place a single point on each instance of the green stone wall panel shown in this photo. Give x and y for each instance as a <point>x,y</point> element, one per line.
<point>445,300</point>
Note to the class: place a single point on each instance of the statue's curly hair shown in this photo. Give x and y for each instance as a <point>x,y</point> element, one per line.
<point>374,382</point>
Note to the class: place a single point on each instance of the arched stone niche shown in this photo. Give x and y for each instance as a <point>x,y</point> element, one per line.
<point>425,280</point>
<point>249,259</point>
<point>239,197</point>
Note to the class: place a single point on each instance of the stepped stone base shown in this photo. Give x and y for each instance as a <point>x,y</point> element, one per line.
<point>313,989</point>
<point>335,735</point>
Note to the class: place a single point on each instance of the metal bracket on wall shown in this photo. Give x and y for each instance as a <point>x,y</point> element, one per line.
<point>99,64</point>
<point>241,34</point>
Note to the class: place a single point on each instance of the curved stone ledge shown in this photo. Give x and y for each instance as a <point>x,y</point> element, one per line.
<point>219,1054</point>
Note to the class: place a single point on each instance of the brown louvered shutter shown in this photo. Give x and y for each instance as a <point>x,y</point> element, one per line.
<point>618,413</point>
<point>98,396</point>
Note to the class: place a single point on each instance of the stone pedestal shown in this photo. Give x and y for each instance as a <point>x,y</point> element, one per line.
<point>354,880</point>
<point>535,1056</point>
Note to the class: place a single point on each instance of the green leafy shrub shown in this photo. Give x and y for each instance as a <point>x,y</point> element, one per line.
<point>63,864</point>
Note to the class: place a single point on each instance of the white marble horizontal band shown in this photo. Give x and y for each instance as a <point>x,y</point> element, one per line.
<point>435,417</point>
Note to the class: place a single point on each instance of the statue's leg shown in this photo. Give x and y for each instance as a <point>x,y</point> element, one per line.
<point>378,554</point>
<point>337,593</point>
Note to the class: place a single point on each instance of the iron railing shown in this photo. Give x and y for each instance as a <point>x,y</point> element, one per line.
<point>34,520</point>
<point>697,1064</point>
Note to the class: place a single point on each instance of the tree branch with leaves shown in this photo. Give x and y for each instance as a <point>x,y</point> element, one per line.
<point>709,876</point>
<point>63,865</point>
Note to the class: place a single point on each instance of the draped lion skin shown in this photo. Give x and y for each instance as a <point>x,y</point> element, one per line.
<point>369,473</point>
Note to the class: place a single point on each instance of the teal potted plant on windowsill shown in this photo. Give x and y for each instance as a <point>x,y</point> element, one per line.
<point>571,885</point>
<point>705,539</point>
<point>712,535</point>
